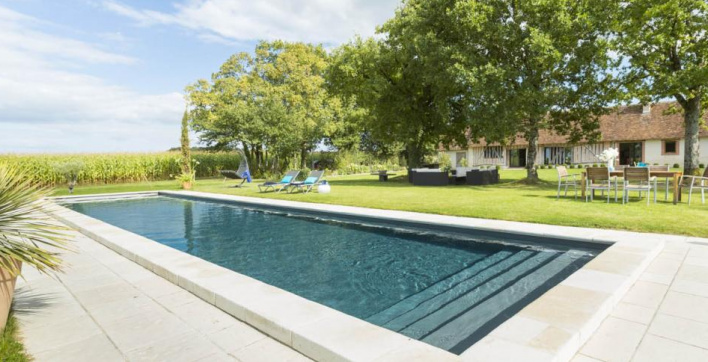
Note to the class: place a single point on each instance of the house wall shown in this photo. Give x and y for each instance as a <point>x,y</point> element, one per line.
<point>476,157</point>
<point>652,153</point>
<point>587,154</point>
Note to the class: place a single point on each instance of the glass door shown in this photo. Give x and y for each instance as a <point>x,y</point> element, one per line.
<point>630,153</point>
<point>517,157</point>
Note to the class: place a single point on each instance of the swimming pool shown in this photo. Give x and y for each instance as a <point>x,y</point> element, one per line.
<point>446,289</point>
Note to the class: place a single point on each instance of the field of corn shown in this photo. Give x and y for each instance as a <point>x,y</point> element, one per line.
<point>118,167</point>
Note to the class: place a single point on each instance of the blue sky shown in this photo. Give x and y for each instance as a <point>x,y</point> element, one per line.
<point>108,76</point>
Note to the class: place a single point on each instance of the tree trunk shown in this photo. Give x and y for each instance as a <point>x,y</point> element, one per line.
<point>414,156</point>
<point>692,124</point>
<point>532,138</point>
<point>303,157</point>
<point>247,153</point>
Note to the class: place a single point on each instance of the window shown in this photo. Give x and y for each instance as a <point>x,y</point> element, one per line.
<point>461,159</point>
<point>493,152</point>
<point>557,155</point>
<point>670,148</point>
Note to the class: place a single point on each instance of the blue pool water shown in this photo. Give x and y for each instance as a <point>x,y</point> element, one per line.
<point>446,290</point>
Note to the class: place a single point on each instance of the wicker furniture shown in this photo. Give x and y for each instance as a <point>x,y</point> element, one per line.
<point>482,177</point>
<point>428,177</point>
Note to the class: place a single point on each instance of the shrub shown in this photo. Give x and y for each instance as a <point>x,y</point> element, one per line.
<point>676,165</point>
<point>70,169</point>
<point>702,165</point>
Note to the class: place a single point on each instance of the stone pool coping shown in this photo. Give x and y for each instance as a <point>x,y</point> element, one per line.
<point>551,328</point>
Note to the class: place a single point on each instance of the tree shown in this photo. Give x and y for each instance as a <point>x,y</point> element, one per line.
<point>526,66</point>
<point>405,98</point>
<point>273,104</point>
<point>666,47</point>
<point>184,146</point>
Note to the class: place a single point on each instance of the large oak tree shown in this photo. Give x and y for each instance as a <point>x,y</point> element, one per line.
<point>666,45</point>
<point>526,66</point>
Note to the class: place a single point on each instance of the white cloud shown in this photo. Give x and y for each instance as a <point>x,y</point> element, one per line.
<point>48,104</point>
<point>317,21</point>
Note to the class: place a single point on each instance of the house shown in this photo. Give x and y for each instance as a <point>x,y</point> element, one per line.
<point>641,133</point>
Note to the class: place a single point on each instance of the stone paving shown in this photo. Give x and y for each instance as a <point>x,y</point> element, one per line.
<point>663,317</point>
<point>104,307</point>
<point>108,308</point>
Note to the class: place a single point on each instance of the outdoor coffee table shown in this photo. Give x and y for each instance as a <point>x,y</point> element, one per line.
<point>676,175</point>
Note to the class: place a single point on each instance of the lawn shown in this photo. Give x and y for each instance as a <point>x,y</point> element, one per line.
<point>11,348</point>
<point>509,200</point>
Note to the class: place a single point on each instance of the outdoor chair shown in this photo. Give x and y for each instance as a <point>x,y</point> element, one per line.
<point>565,179</point>
<point>697,183</point>
<point>667,180</point>
<point>638,179</point>
<point>281,185</point>
<point>598,178</point>
<point>243,173</point>
<point>312,180</point>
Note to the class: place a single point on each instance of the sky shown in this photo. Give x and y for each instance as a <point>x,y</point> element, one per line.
<point>109,76</point>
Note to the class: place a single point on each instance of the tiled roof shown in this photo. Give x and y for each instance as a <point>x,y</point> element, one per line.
<point>627,123</point>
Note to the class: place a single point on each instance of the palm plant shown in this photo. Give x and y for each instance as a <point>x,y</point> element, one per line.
<point>25,230</point>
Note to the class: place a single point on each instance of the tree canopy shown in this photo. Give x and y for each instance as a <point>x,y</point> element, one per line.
<point>407,99</point>
<point>665,46</point>
<point>273,104</point>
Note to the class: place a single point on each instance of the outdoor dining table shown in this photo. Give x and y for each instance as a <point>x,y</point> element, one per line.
<point>676,175</point>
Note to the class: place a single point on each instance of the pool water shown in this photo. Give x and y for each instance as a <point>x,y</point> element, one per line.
<point>445,290</point>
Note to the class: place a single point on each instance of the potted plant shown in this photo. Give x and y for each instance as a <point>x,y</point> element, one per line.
<point>24,230</point>
<point>186,180</point>
<point>70,170</point>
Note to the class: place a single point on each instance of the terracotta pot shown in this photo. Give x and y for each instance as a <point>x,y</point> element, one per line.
<point>187,185</point>
<point>7,291</point>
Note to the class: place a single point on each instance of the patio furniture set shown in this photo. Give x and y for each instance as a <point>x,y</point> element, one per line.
<point>459,175</point>
<point>645,179</point>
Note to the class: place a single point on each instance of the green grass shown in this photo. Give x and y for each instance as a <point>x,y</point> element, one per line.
<point>509,200</point>
<point>11,349</point>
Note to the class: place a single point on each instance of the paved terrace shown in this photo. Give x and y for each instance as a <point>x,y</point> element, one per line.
<point>107,308</point>
<point>664,317</point>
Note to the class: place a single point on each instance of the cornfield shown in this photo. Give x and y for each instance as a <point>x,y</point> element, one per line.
<point>118,167</point>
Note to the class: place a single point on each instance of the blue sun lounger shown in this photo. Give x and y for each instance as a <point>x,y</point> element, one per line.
<point>281,185</point>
